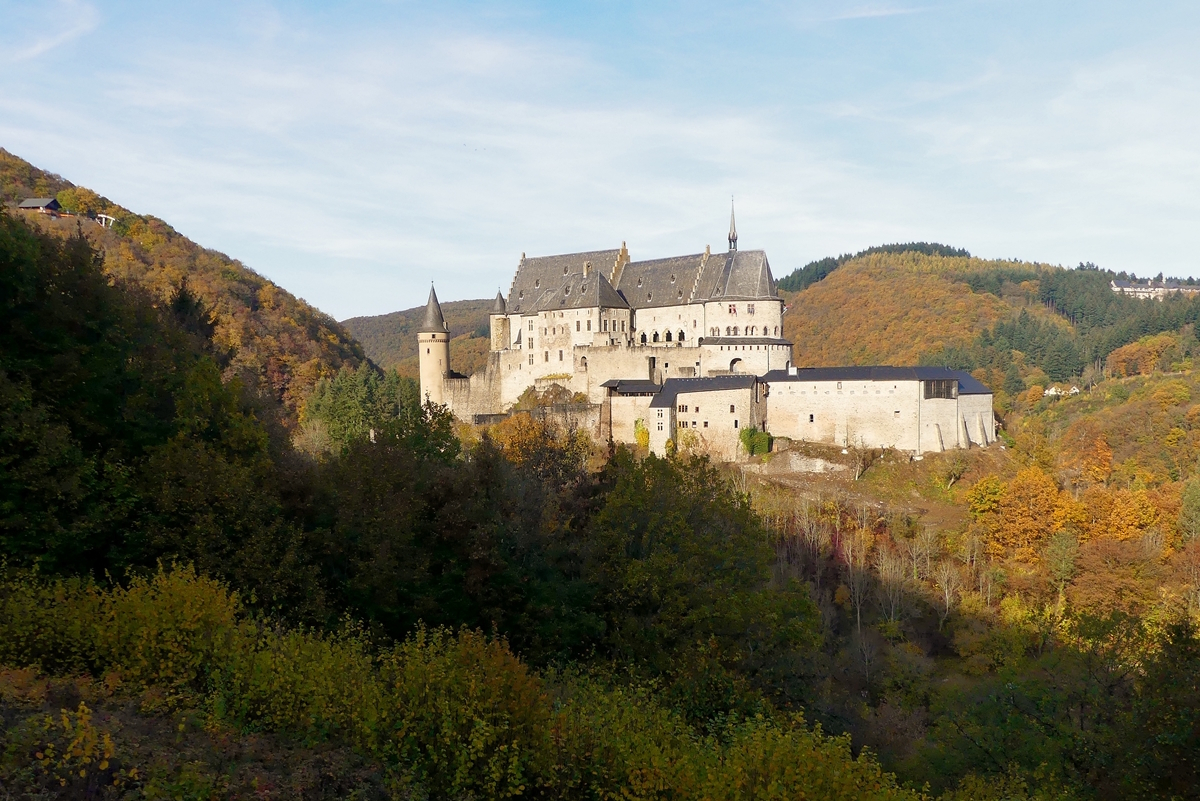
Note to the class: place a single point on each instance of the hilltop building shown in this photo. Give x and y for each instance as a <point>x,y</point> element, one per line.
<point>688,342</point>
<point>1156,290</point>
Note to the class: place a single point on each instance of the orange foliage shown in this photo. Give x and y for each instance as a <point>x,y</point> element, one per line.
<point>1026,515</point>
<point>1142,357</point>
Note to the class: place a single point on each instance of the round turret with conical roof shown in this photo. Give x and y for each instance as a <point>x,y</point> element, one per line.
<point>433,354</point>
<point>500,324</point>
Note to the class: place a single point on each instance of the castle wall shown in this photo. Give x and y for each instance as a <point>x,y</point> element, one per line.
<point>878,414</point>
<point>716,419</point>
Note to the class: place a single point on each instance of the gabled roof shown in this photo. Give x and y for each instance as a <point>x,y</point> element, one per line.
<point>499,307</point>
<point>674,387</point>
<point>434,322</point>
<point>967,384</point>
<point>39,203</point>
<point>736,275</point>
<point>539,275</point>
<point>575,291</point>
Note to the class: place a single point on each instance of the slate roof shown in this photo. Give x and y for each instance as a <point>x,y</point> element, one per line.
<point>674,387</point>
<point>544,278</point>
<point>499,307</point>
<point>626,386</point>
<point>434,322</point>
<point>39,203</point>
<point>573,291</point>
<point>675,281</point>
<point>743,341</point>
<point>967,385</point>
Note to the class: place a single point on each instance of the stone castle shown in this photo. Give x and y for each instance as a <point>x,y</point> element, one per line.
<point>667,345</point>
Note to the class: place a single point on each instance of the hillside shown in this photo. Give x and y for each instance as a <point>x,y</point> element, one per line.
<point>390,340</point>
<point>893,308</point>
<point>260,331</point>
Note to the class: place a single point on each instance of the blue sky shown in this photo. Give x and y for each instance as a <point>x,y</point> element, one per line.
<point>353,152</point>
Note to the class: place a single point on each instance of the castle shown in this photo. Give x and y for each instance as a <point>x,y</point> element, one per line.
<point>667,345</point>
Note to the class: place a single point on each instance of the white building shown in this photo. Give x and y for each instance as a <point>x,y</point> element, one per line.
<point>914,409</point>
<point>689,344</point>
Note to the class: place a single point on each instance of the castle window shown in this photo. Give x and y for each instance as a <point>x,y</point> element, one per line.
<point>531,325</point>
<point>732,408</point>
<point>946,388</point>
<point>733,309</point>
<point>810,418</point>
<point>589,325</point>
<point>643,337</point>
<point>672,279</point>
<point>680,336</point>
<point>896,414</point>
<point>706,424</point>
<point>660,425</point>
<point>682,407</point>
<point>427,350</point>
<point>749,308</point>
<point>728,330</point>
<point>735,423</point>
<point>546,356</point>
<point>639,282</point>
<point>577,325</point>
<point>531,358</point>
<point>537,283</point>
<point>735,330</point>
<point>668,336</point>
<point>655,336</point>
<point>560,358</point>
<point>622,326</point>
<point>604,325</point>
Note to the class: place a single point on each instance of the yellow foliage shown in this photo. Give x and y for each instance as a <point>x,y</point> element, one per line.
<point>1034,394</point>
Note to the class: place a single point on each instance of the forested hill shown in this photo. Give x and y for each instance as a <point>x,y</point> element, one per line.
<point>261,332</point>
<point>390,340</point>
<point>1013,323</point>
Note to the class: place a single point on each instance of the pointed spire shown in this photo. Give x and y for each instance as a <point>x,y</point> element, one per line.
<point>732,226</point>
<point>499,307</point>
<point>434,322</point>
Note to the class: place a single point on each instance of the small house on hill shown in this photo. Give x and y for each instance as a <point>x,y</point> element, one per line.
<point>42,205</point>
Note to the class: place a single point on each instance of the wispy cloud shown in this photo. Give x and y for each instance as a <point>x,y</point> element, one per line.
<point>39,28</point>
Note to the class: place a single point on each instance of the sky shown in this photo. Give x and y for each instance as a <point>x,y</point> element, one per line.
<point>355,152</point>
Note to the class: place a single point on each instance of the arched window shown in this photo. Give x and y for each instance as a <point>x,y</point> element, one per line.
<point>655,336</point>
<point>643,337</point>
<point>668,336</point>
<point>776,330</point>
<point>583,363</point>
<point>728,330</point>
<point>735,330</point>
<point>735,366</point>
<point>680,336</point>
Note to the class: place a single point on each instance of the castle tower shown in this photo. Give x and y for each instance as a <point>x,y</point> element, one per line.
<point>433,350</point>
<point>499,320</point>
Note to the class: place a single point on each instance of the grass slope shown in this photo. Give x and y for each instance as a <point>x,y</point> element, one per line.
<point>261,330</point>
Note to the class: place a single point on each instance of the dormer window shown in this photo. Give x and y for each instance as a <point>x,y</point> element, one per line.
<point>537,283</point>
<point>566,290</point>
<point>672,279</point>
<point>564,270</point>
<point>639,282</point>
